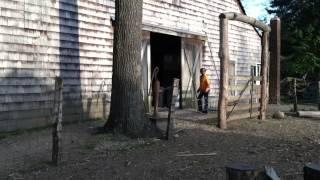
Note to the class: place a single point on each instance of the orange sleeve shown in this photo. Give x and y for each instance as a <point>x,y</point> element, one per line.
<point>207,82</point>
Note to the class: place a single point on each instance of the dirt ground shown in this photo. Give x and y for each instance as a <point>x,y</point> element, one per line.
<point>287,145</point>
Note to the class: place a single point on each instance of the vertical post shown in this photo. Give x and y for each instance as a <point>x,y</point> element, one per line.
<point>251,94</point>
<point>275,52</point>
<point>155,91</point>
<point>224,63</point>
<point>319,95</point>
<point>264,74</point>
<point>295,104</point>
<point>174,94</point>
<point>57,125</point>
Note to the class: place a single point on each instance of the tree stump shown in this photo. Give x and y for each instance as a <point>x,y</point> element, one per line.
<point>240,171</point>
<point>312,171</point>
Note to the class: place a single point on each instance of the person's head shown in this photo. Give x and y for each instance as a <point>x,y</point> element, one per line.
<point>203,71</point>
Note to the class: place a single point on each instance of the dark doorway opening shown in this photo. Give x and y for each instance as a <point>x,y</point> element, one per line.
<point>166,54</point>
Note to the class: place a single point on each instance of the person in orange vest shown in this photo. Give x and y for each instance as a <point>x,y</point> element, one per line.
<point>203,91</point>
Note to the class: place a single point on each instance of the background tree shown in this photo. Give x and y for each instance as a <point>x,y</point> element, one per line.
<point>300,36</point>
<point>127,111</point>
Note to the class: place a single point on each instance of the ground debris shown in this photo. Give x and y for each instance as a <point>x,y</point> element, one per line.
<point>198,154</point>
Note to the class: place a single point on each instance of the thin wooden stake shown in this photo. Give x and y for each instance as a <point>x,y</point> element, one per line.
<point>251,94</point>
<point>57,126</point>
<point>319,95</point>
<point>295,104</point>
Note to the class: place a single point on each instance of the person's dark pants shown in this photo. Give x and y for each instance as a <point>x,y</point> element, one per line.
<point>205,95</point>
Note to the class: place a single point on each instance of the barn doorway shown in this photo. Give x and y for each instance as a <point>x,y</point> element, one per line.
<point>166,54</point>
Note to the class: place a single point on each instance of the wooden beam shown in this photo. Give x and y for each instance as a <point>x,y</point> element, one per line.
<point>264,74</point>
<point>309,114</point>
<point>246,19</point>
<point>224,64</point>
<point>243,107</point>
<point>240,87</point>
<point>244,78</point>
<point>247,97</point>
<point>243,116</point>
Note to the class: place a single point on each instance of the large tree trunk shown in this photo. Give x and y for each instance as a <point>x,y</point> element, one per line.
<point>127,112</point>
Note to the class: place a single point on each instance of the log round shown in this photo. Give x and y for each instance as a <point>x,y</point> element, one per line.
<point>240,171</point>
<point>309,114</point>
<point>312,171</point>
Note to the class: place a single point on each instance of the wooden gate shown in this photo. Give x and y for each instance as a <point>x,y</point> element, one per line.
<point>146,73</point>
<point>244,97</point>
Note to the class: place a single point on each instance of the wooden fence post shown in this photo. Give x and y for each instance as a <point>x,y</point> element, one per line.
<point>319,95</point>
<point>295,103</point>
<point>224,64</point>
<point>251,95</point>
<point>264,74</point>
<point>57,125</point>
<point>275,54</point>
<point>174,95</point>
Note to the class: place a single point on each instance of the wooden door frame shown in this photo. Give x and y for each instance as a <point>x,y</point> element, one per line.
<point>224,58</point>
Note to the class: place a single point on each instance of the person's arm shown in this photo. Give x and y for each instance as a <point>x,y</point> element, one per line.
<point>208,85</point>
<point>198,90</point>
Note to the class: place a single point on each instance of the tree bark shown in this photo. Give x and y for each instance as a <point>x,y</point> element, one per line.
<point>224,59</point>
<point>264,74</point>
<point>127,112</point>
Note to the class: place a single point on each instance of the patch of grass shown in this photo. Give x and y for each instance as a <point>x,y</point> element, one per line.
<point>89,146</point>
<point>4,135</point>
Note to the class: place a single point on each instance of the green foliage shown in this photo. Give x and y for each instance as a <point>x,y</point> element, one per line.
<point>300,36</point>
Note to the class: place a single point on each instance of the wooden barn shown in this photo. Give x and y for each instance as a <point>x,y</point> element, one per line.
<point>73,39</point>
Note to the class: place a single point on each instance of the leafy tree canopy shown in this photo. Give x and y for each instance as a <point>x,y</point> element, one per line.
<point>300,20</point>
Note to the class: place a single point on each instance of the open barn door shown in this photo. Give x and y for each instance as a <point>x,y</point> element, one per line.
<point>145,65</point>
<point>190,65</point>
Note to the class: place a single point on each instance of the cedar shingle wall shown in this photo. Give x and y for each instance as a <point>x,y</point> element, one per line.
<point>73,39</point>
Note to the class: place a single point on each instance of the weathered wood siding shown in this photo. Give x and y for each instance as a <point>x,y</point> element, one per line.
<point>201,17</point>
<point>41,39</point>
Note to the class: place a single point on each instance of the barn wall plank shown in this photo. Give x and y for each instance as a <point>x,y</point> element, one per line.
<point>73,39</point>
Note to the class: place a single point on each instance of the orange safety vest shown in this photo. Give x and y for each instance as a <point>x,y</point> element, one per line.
<point>204,83</point>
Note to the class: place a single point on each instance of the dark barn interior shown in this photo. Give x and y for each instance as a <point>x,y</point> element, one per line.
<point>166,54</point>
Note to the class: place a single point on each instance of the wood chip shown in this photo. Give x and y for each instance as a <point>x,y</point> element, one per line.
<point>201,154</point>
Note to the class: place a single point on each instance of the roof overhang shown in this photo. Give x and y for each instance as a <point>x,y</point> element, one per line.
<point>173,31</point>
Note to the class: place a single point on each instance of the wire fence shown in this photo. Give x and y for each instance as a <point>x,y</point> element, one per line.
<point>300,93</point>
